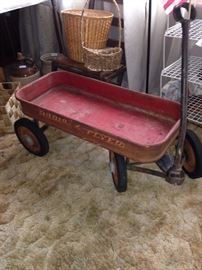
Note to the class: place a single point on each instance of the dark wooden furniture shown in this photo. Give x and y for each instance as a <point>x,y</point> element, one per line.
<point>66,63</point>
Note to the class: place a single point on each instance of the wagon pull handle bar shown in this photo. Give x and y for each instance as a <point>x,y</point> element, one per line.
<point>176,173</point>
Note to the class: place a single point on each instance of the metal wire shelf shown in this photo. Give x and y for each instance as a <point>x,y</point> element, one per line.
<point>195,110</point>
<point>195,70</point>
<point>173,71</point>
<point>195,32</point>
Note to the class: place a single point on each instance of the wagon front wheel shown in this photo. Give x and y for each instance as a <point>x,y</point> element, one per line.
<point>118,170</point>
<point>31,137</point>
<point>192,155</point>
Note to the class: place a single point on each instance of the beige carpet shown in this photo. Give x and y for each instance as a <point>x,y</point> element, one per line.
<point>62,212</point>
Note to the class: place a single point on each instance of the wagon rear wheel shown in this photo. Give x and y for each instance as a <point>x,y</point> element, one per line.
<point>118,170</point>
<point>192,155</point>
<point>31,137</point>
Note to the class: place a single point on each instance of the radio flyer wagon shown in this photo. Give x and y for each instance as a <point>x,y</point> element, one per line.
<point>136,128</point>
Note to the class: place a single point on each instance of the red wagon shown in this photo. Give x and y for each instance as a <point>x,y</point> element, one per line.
<point>135,127</point>
<point>130,124</point>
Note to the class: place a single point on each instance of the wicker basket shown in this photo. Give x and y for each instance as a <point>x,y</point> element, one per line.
<point>10,109</point>
<point>96,25</point>
<point>107,59</point>
<point>104,59</point>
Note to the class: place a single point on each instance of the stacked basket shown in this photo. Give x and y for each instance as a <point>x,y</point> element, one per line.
<point>86,33</point>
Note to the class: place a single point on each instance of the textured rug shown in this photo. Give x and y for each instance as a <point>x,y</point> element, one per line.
<point>62,212</point>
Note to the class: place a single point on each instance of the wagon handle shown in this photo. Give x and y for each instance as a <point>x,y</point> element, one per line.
<point>176,174</point>
<point>119,17</point>
<point>177,12</point>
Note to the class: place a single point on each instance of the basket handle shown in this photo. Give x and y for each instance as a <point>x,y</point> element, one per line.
<point>119,19</point>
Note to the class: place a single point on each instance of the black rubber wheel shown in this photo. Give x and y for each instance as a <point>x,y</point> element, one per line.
<point>118,171</point>
<point>192,155</point>
<point>31,137</point>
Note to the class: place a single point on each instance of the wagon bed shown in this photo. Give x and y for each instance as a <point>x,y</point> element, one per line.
<point>138,126</point>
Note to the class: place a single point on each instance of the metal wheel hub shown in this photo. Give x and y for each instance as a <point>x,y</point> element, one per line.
<point>28,138</point>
